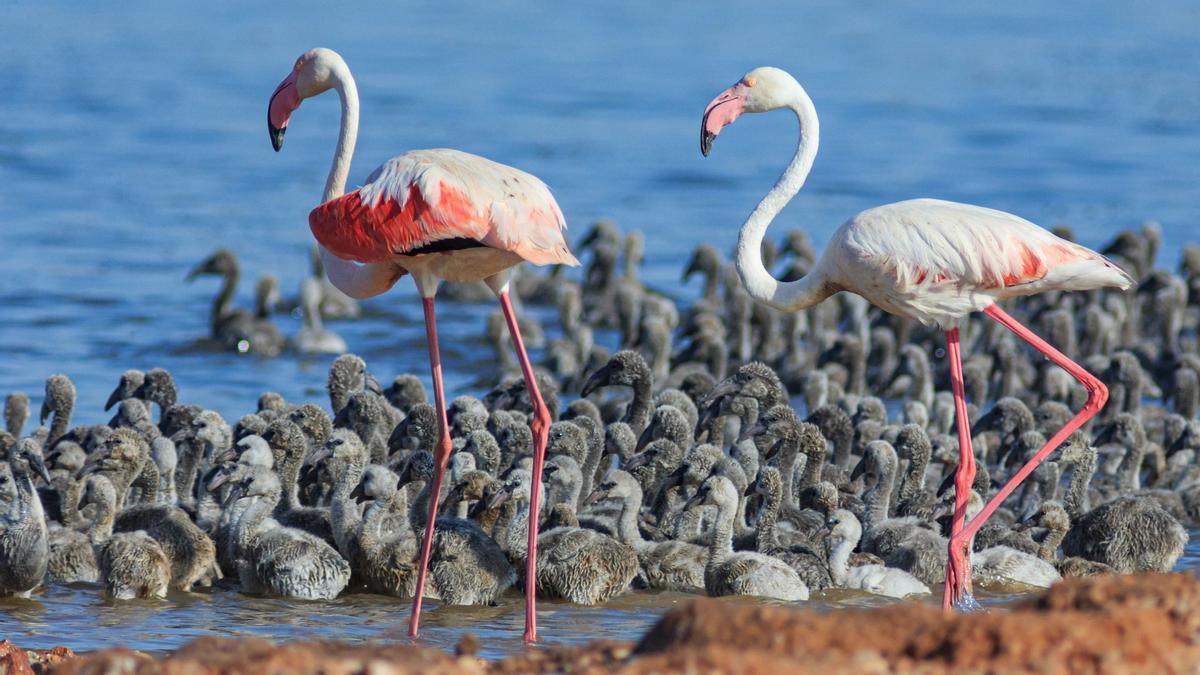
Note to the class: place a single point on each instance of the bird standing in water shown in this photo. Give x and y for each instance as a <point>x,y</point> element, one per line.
<point>435,214</point>
<point>931,260</point>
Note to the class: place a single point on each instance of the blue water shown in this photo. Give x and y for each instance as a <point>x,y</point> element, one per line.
<point>133,142</point>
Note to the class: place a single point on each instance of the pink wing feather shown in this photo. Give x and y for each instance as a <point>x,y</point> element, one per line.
<point>928,242</point>
<point>426,196</point>
<point>937,261</point>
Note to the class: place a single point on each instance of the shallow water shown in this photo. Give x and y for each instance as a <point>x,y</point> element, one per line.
<point>80,618</point>
<point>132,143</point>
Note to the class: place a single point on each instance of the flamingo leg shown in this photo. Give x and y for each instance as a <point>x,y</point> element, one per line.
<point>1097,396</point>
<point>441,457</point>
<point>541,431</point>
<point>958,574</point>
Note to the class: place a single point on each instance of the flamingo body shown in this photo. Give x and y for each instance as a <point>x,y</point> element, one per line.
<point>438,208</point>
<point>438,215</point>
<point>937,261</point>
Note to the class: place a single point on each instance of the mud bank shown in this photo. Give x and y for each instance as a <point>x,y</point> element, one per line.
<point>1143,623</point>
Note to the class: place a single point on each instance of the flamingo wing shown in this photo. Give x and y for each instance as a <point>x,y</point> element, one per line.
<point>922,244</point>
<point>426,201</point>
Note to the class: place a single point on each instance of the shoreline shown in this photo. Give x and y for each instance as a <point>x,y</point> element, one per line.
<point>1143,622</point>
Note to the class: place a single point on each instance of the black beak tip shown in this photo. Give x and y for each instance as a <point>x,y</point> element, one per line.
<point>372,385</point>
<point>276,136</point>
<point>593,383</point>
<point>706,142</point>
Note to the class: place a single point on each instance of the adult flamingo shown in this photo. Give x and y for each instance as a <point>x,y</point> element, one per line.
<point>435,214</point>
<point>930,260</point>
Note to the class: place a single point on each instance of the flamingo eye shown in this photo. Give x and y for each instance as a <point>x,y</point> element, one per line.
<point>750,81</point>
<point>299,62</point>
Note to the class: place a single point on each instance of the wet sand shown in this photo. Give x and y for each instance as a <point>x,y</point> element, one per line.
<point>1134,623</point>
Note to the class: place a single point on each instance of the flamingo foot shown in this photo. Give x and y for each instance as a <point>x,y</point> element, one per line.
<point>958,593</point>
<point>967,603</point>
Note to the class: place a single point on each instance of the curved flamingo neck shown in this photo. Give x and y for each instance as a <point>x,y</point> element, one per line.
<point>343,83</point>
<point>839,558</point>
<point>220,308</point>
<point>814,287</point>
<point>357,281</point>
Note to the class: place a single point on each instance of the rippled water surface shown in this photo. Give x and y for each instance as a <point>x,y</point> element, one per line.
<point>132,143</point>
<point>79,617</point>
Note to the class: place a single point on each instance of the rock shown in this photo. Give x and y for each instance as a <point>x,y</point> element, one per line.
<point>230,656</point>
<point>468,645</point>
<point>13,660</point>
<point>1142,623</point>
<point>44,659</point>
<point>601,656</point>
<point>116,660</point>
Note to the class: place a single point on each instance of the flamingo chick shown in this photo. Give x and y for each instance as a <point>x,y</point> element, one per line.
<point>437,215</point>
<point>926,259</point>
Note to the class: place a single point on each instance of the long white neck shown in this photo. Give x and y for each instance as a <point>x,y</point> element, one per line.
<point>357,281</point>
<point>813,288</point>
<point>839,559</point>
<point>721,546</point>
<point>335,184</point>
<point>627,527</point>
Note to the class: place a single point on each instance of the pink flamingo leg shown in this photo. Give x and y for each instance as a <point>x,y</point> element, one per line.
<point>1097,396</point>
<point>441,457</point>
<point>541,431</point>
<point>958,580</point>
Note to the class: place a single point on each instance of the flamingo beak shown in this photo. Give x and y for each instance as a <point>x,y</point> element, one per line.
<point>721,112</point>
<point>218,480</point>
<point>722,389</point>
<point>206,266</point>
<point>285,99</point>
<point>35,460</point>
<point>598,379</point>
<point>115,397</point>
<point>860,469</point>
<point>499,498</point>
<point>372,385</point>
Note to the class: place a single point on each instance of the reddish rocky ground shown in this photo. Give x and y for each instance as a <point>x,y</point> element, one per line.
<point>1143,623</point>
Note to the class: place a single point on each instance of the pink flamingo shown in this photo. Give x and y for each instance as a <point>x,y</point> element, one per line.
<point>435,214</point>
<point>930,260</point>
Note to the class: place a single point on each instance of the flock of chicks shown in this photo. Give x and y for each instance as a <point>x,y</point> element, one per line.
<point>682,465</point>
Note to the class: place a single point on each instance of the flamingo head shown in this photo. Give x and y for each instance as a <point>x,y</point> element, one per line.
<point>760,90</point>
<point>315,72</point>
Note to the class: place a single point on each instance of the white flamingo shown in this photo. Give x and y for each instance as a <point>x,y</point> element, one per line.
<point>930,260</point>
